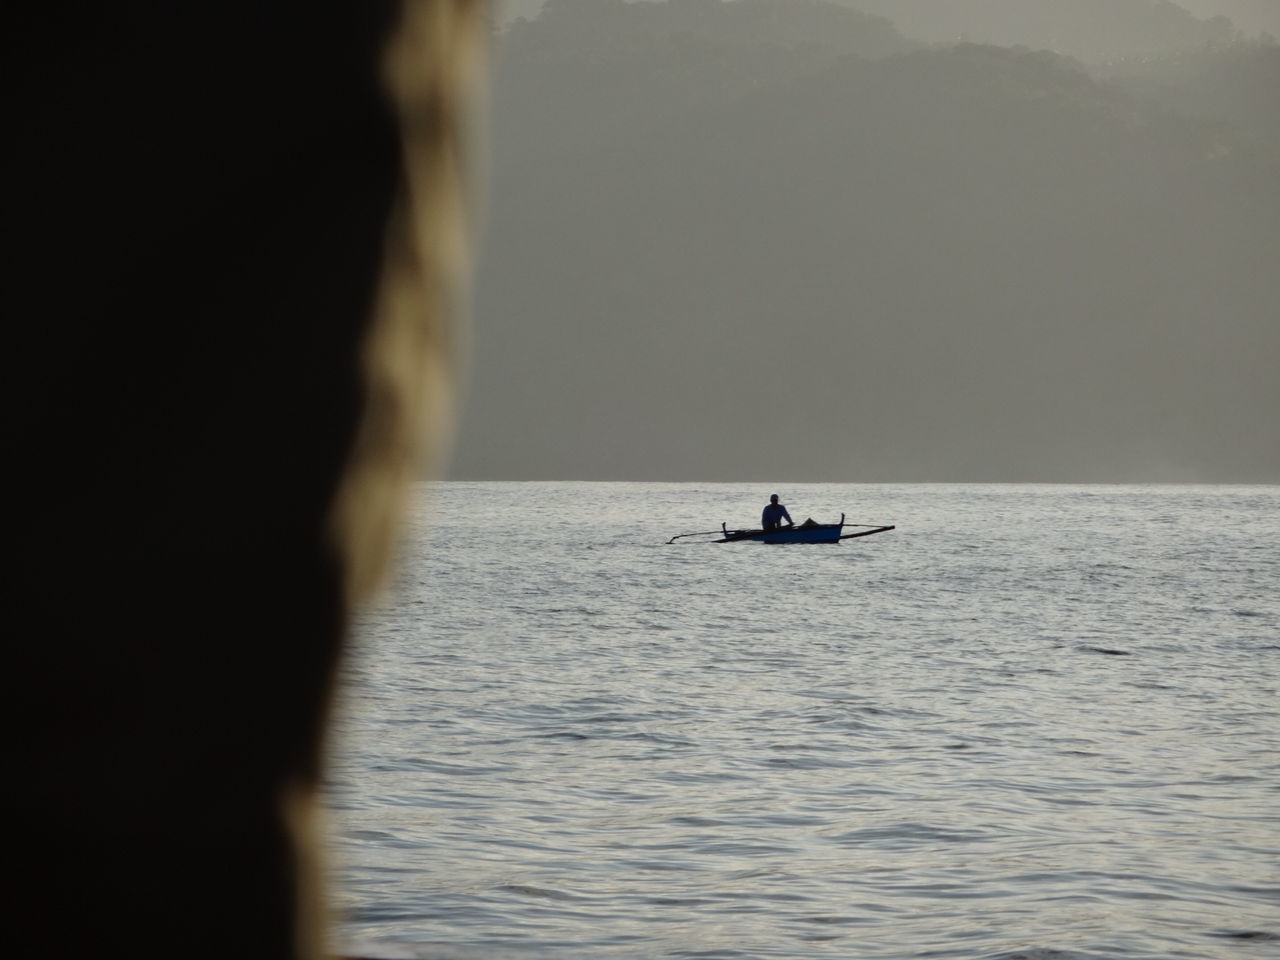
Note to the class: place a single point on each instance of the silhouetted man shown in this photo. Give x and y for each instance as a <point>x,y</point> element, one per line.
<point>774,514</point>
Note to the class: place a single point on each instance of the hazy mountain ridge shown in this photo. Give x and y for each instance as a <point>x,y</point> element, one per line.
<point>1086,29</point>
<point>613,27</point>
<point>591,69</point>
<point>1236,86</point>
<point>1256,19</point>
<point>1089,29</point>
<point>962,263</point>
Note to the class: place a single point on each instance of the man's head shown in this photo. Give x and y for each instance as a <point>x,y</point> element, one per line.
<point>774,498</point>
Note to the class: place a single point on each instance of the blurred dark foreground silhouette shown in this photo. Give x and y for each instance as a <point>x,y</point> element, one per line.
<point>235,236</point>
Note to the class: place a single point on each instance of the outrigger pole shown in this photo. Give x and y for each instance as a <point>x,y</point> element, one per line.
<point>705,533</point>
<point>864,533</point>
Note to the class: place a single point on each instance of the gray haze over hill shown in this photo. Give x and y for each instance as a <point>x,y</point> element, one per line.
<point>1252,17</point>
<point>1087,29</point>
<point>782,239</point>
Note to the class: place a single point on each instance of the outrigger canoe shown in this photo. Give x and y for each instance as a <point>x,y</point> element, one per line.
<point>807,532</point>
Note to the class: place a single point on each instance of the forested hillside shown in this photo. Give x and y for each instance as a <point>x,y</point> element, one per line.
<point>724,244</point>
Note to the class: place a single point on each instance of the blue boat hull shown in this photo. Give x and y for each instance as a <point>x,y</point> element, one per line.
<point>807,532</point>
<point>820,533</point>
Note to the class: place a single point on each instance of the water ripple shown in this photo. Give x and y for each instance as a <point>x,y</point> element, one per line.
<point>1051,738</point>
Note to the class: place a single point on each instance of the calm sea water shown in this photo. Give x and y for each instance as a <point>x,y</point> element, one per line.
<point>1032,721</point>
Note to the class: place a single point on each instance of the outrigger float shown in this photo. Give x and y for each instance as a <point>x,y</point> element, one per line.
<point>807,532</point>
